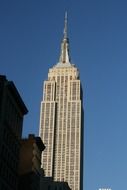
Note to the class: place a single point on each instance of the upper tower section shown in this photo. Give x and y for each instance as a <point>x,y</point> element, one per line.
<point>64,66</point>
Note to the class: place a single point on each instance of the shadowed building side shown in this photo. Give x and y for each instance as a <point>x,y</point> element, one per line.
<point>30,170</point>
<point>12,110</point>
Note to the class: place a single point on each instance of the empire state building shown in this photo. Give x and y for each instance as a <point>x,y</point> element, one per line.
<point>61,120</point>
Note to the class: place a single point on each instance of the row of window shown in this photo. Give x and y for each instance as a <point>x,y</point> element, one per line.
<point>7,175</point>
<point>13,117</point>
<point>9,158</point>
<point>11,141</point>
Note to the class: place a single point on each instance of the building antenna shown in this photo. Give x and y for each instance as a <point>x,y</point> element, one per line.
<point>65,26</point>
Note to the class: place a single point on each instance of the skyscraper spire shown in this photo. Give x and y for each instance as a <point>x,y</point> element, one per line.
<point>64,55</point>
<point>65,26</point>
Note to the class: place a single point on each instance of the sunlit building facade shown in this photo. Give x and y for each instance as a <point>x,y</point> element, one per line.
<point>61,121</point>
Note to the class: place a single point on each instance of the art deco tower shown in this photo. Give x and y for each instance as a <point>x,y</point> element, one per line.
<point>61,120</point>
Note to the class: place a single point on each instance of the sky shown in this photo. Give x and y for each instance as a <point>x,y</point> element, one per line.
<point>30,36</point>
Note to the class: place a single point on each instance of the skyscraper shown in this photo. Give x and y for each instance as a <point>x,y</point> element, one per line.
<point>61,120</point>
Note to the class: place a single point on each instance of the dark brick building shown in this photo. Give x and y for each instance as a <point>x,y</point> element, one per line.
<point>30,170</point>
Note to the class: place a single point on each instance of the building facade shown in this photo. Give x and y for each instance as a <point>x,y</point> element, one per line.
<point>61,120</point>
<point>29,170</point>
<point>47,183</point>
<point>12,110</point>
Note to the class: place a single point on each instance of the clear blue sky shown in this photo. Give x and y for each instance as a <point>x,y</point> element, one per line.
<point>30,37</point>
